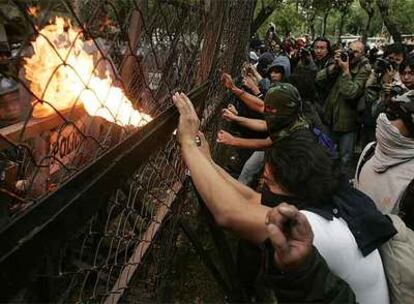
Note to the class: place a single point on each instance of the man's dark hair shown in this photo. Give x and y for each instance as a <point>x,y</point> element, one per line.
<point>408,62</point>
<point>302,168</point>
<point>277,69</point>
<point>323,39</point>
<point>303,80</point>
<point>396,48</point>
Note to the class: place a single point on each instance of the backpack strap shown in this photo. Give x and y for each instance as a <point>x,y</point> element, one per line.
<point>366,156</point>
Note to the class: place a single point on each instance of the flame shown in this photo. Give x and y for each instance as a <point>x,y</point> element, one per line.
<point>76,82</point>
<point>33,11</point>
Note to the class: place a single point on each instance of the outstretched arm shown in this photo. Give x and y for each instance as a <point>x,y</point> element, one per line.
<point>229,208</point>
<point>258,125</point>
<point>248,193</point>
<point>251,101</point>
<point>226,138</point>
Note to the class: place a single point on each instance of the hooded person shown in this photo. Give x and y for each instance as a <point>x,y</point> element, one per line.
<point>284,100</point>
<point>277,71</point>
<point>385,174</point>
<point>283,111</point>
<point>282,107</point>
<point>281,64</point>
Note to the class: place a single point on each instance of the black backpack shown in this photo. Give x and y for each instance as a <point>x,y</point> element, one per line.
<point>406,211</point>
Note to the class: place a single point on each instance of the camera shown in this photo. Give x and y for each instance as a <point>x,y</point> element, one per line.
<point>382,65</point>
<point>397,90</point>
<point>345,54</point>
<point>304,55</point>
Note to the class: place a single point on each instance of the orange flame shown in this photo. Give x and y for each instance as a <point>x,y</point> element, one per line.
<point>33,11</point>
<point>64,85</point>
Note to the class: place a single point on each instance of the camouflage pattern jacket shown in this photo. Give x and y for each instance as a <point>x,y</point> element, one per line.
<point>340,108</point>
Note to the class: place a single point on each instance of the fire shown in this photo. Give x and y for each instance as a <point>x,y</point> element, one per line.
<point>33,11</point>
<point>63,86</point>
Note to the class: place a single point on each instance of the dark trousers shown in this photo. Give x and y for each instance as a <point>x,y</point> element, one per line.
<point>345,142</point>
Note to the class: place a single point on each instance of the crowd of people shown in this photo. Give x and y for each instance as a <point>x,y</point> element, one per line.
<point>320,227</point>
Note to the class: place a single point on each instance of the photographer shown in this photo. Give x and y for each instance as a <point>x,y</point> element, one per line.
<point>395,54</point>
<point>302,57</point>
<point>383,84</point>
<point>349,72</point>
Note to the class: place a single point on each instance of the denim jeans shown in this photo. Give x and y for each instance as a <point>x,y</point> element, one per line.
<point>346,144</point>
<point>252,167</point>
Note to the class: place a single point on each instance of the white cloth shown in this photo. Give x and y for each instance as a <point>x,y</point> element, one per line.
<point>392,148</point>
<point>337,245</point>
<point>387,174</point>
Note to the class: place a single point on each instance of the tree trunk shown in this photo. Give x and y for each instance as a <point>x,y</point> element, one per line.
<point>392,26</point>
<point>261,18</point>
<point>312,27</point>
<point>341,26</point>
<point>367,27</point>
<point>236,34</point>
<point>212,34</point>
<point>325,20</point>
<point>393,29</point>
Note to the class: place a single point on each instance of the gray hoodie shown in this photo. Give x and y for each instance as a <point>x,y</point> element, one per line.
<point>284,62</point>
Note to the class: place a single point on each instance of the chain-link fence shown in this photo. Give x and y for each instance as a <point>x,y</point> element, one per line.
<point>91,174</point>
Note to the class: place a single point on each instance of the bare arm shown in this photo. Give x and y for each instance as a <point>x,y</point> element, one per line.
<point>226,138</point>
<point>253,102</point>
<point>258,125</point>
<point>248,193</point>
<point>229,208</point>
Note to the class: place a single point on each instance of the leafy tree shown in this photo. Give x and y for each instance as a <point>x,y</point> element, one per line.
<point>313,8</point>
<point>265,11</point>
<point>392,26</point>
<point>342,6</point>
<point>369,7</point>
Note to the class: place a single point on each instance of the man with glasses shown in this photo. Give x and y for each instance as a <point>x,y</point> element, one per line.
<point>350,71</point>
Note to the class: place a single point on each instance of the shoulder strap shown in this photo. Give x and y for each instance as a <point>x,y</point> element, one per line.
<point>365,157</point>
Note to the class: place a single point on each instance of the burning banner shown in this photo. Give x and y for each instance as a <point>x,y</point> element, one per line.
<point>63,74</point>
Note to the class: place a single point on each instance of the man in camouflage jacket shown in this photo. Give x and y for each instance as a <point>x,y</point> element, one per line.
<point>340,108</point>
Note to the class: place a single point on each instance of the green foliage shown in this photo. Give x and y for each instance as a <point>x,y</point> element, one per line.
<point>402,11</point>
<point>286,18</point>
<point>294,15</point>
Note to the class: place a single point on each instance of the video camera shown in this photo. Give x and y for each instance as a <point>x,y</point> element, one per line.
<point>382,65</point>
<point>304,54</point>
<point>347,54</point>
<point>397,90</point>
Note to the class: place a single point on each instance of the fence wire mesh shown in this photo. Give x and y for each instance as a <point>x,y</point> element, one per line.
<point>65,84</point>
